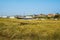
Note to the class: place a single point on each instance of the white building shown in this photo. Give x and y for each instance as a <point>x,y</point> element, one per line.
<point>28,17</point>
<point>42,19</point>
<point>56,19</point>
<point>0,16</point>
<point>11,17</point>
<point>3,16</point>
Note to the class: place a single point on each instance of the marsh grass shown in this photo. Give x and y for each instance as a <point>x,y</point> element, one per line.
<point>16,29</point>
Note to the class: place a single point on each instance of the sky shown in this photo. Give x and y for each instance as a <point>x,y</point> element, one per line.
<point>29,7</point>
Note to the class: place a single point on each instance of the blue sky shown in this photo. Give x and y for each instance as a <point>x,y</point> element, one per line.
<point>28,7</point>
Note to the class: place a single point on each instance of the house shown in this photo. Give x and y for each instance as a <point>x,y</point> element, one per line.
<point>42,19</point>
<point>51,15</point>
<point>0,16</point>
<point>55,19</point>
<point>28,17</point>
<point>40,16</point>
<point>11,17</point>
<point>3,16</point>
<point>19,17</point>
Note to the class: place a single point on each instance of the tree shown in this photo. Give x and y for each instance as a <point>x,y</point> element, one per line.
<point>57,16</point>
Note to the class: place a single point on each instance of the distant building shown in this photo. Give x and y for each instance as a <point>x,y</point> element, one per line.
<point>19,17</point>
<point>42,19</point>
<point>0,16</point>
<point>51,15</point>
<point>40,16</point>
<point>11,17</point>
<point>55,19</point>
<point>3,16</point>
<point>28,17</point>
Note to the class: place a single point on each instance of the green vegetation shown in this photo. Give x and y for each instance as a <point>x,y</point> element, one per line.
<point>17,29</point>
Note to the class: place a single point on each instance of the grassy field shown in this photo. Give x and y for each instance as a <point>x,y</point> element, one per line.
<point>16,29</point>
